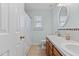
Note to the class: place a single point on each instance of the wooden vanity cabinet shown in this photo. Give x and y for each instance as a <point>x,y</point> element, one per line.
<point>48,48</point>
<point>51,50</point>
<point>56,52</point>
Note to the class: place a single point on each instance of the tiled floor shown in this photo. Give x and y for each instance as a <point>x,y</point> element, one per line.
<point>36,51</point>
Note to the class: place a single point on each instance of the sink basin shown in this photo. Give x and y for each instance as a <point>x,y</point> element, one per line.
<point>71,48</point>
<point>67,47</point>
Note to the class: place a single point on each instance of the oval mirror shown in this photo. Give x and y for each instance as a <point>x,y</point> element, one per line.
<point>63,15</point>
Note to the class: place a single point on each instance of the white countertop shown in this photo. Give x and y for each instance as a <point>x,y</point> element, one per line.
<point>58,41</point>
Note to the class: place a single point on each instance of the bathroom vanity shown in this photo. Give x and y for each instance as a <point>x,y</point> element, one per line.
<point>51,50</point>
<point>59,46</point>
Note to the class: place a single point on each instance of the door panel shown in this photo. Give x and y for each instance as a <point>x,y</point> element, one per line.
<point>20,49</point>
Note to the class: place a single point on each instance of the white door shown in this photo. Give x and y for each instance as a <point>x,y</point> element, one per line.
<point>18,25</point>
<point>20,47</point>
<point>15,14</point>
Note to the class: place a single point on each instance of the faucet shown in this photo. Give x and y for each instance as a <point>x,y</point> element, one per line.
<point>67,36</point>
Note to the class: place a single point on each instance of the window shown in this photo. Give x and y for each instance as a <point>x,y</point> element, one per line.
<point>38,23</point>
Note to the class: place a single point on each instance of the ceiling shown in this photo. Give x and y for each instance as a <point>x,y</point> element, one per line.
<point>39,6</point>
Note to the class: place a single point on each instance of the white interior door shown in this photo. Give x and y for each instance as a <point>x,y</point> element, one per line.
<point>24,29</point>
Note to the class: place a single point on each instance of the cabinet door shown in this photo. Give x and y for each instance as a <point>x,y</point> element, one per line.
<point>51,50</point>
<point>47,47</point>
<point>56,52</point>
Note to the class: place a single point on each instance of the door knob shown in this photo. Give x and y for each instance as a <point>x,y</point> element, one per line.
<point>21,37</point>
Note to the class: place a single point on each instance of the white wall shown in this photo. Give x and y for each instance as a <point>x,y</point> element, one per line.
<point>74,16</point>
<point>55,18</point>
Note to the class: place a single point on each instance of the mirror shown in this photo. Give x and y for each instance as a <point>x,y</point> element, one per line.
<point>63,16</point>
